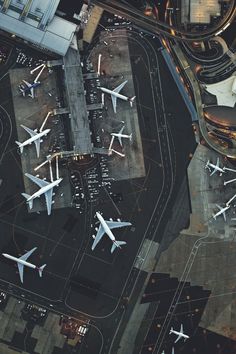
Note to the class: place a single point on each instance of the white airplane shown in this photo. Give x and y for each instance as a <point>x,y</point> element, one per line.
<point>34,137</point>
<point>28,88</point>
<point>216,167</point>
<point>105,228</point>
<point>221,211</point>
<point>179,334</point>
<point>46,188</point>
<point>119,135</point>
<point>115,94</point>
<point>21,262</point>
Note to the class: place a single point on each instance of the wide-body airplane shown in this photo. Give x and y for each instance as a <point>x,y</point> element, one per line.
<point>216,168</point>
<point>115,94</point>
<point>28,88</point>
<point>46,188</point>
<point>105,227</point>
<point>179,334</point>
<point>35,138</point>
<point>21,262</point>
<point>221,211</point>
<point>119,135</point>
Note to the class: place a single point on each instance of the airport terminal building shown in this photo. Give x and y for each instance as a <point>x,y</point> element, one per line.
<point>35,21</point>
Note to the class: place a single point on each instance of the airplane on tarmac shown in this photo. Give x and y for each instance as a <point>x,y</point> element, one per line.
<point>24,89</point>
<point>105,228</point>
<point>46,188</point>
<point>221,211</point>
<point>34,137</point>
<point>179,334</point>
<point>119,135</point>
<point>21,262</point>
<point>115,94</point>
<point>216,167</point>
<point>28,87</point>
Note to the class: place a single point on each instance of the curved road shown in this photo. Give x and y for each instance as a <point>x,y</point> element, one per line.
<point>157,27</point>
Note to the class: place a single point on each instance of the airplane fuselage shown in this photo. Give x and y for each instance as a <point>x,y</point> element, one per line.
<point>105,227</point>
<point>35,137</point>
<point>21,261</point>
<point>35,84</point>
<point>44,189</point>
<point>121,135</point>
<point>180,334</point>
<point>221,212</point>
<point>209,164</point>
<point>116,94</point>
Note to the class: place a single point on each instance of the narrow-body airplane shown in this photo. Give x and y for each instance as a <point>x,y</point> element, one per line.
<point>179,334</point>
<point>221,211</point>
<point>115,94</point>
<point>35,137</point>
<point>120,135</point>
<point>22,261</point>
<point>105,227</point>
<point>216,168</point>
<point>24,89</point>
<point>46,188</point>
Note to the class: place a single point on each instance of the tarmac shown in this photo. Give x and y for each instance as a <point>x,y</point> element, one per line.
<point>113,54</point>
<point>31,113</point>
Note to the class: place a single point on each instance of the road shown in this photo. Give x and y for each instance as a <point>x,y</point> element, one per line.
<point>157,27</point>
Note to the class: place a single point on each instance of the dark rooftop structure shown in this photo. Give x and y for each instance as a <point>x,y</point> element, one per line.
<point>80,131</point>
<point>221,115</point>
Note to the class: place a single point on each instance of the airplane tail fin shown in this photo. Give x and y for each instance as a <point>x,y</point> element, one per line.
<point>131,100</point>
<point>117,244</point>
<point>40,269</point>
<point>27,196</point>
<point>19,144</point>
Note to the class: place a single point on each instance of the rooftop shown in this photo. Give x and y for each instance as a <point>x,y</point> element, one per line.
<point>223,91</point>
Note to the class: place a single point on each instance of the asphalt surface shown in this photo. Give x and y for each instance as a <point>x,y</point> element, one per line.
<point>76,280</point>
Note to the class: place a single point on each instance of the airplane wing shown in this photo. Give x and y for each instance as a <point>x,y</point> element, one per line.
<point>21,266</point>
<point>120,87</point>
<point>224,216</point>
<point>27,83</point>
<point>113,100</point>
<point>120,141</point>
<point>119,138</point>
<point>116,224</point>
<point>217,165</point>
<point>32,92</point>
<point>178,338</point>
<point>214,171</point>
<point>37,146</point>
<point>121,131</point>
<point>98,237</point>
<point>30,131</point>
<point>27,254</point>
<point>48,197</point>
<point>40,182</point>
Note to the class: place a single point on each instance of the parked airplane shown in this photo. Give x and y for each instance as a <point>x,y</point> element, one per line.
<point>179,334</point>
<point>46,188</point>
<point>115,94</point>
<point>119,135</point>
<point>105,228</point>
<point>221,211</point>
<point>216,167</point>
<point>34,137</point>
<point>24,89</point>
<point>21,262</point>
